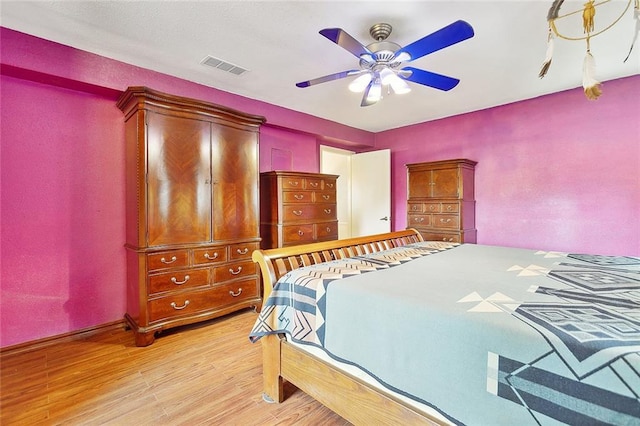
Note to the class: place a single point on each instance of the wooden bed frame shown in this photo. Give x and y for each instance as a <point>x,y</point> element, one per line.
<point>350,397</point>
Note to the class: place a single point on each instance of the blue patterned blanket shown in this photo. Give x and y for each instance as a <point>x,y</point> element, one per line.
<point>485,335</point>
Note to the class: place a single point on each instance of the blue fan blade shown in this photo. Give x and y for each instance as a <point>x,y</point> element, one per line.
<point>329,77</point>
<point>444,37</point>
<point>427,78</point>
<point>344,40</point>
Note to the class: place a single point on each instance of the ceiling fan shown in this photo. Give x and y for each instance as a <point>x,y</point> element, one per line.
<point>381,62</point>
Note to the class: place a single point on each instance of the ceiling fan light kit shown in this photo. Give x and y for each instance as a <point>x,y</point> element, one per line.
<point>381,63</point>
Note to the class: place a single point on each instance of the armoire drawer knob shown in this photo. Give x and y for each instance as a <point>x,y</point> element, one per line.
<point>210,257</point>
<point>170,261</point>
<point>175,280</point>
<point>231,271</point>
<point>178,308</point>
<point>236,294</point>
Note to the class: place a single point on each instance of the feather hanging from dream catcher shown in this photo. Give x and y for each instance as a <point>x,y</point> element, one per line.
<point>592,87</point>
<point>636,30</point>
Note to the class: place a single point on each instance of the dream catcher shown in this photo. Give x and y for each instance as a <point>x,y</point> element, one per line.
<point>592,87</point>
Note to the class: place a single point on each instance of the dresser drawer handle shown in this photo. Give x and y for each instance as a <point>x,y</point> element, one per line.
<point>432,208</point>
<point>297,212</point>
<point>327,211</point>
<point>447,240</point>
<point>243,251</point>
<point>170,261</point>
<point>449,208</point>
<point>298,196</point>
<point>300,232</point>
<point>208,256</point>
<point>330,185</point>
<point>328,229</point>
<point>175,280</point>
<point>314,184</point>
<point>293,183</point>
<point>326,197</point>
<point>415,208</point>
<point>232,272</point>
<point>179,308</point>
<point>419,219</point>
<point>445,220</point>
<point>236,294</point>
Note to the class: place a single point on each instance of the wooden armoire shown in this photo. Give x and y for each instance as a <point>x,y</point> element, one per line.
<point>191,210</point>
<point>441,201</point>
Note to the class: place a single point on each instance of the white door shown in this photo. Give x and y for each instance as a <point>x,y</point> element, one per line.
<point>371,193</point>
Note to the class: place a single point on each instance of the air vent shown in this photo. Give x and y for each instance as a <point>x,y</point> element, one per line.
<point>223,65</point>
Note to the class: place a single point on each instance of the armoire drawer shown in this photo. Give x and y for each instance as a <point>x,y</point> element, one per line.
<point>446,221</point>
<point>437,236</point>
<point>234,271</point>
<point>419,219</point>
<point>167,259</point>
<point>242,250</point>
<point>188,303</point>
<point>178,279</point>
<point>210,255</point>
<point>324,196</point>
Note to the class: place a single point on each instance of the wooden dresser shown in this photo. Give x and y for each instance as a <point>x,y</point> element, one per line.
<point>297,208</point>
<point>441,201</point>
<point>191,210</point>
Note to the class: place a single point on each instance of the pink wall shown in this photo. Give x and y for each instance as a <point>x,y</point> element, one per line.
<point>557,172</point>
<point>62,175</point>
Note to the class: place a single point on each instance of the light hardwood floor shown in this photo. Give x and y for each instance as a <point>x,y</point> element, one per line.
<point>207,374</point>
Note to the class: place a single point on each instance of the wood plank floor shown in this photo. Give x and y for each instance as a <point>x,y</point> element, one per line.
<point>208,374</point>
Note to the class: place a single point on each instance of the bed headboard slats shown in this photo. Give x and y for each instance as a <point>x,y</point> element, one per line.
<point>275,263</point>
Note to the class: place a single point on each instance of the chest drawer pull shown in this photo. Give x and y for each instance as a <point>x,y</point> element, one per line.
<point>300,232</point>
<point>328,229</point>
<point>232,272</point>
<point>175,280</point>
<point>449,208</point>
<point>293,183</point>
<point>178,308</point>
<point>298,196</point>
<point>327,211</point>
<point>447,239</point>
<point>418,219</point>
<point>326,197</point>
<point>243,251</point>
<point>236,294</point>
<point>170,261</point>
<point>445,220</point>
<point>432,208</point>
<point>314,184</point>
<point>297,212</point>
<point>208,256</point>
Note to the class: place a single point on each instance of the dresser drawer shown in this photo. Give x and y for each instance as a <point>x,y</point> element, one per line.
<point>234,271</point>
<point>431,207</point>
<point>210,255</point>
<point>176,280</point>
<point>297,233</point>
<point>450,208</point>
<point>313,183</point>
<point>329,184</point>
<point>292,182</point>
<point>242,250</point>
<point>167,259</point>
<point>297,196</point>
<point>327,231</point>
<point>307,212</point>
<point>324,197</point>
<point>448,221</point>
<point>419,219</point>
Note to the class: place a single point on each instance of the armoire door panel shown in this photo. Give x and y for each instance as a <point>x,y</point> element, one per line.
<point>445,183</point>
<point>235,183</point>
<point>179,180</point>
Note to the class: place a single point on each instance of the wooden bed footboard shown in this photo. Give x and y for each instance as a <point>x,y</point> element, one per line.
<point>350,397</point>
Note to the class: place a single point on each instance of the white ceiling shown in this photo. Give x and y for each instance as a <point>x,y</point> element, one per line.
<point>278,42</point>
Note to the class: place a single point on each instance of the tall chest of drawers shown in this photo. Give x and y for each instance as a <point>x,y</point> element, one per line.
<point>297,208</point>
<point>191,210</point>
<point>441,200</point>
